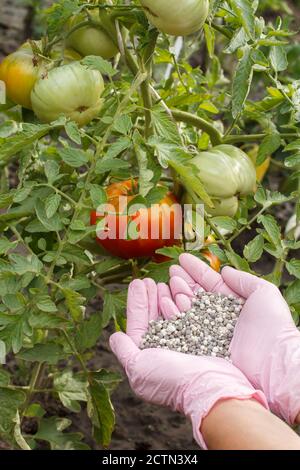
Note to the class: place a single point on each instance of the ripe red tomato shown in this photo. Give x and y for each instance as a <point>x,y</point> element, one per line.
<point>165,218</point>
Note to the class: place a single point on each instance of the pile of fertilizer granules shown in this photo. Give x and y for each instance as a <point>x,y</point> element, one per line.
<point>206,329</point>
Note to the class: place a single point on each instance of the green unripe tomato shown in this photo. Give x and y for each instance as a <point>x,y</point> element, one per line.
<point>71,90</point>
<point>177,18</point>
<point>222,207</point>
<point>226,171</point>
<point>90,40</point>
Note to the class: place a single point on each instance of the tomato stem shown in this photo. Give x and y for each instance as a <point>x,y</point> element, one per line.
<point>199,123</point>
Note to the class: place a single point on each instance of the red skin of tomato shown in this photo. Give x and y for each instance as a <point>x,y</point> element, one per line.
<point>140,247</point>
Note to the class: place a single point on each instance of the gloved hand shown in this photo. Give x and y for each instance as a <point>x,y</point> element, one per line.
<point>266,342</point>
<point>189,384</point>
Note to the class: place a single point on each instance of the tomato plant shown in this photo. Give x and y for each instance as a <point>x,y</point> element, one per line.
<point>209,119</point>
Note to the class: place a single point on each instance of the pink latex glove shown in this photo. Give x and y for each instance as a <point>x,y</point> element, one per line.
<point>266,342</point>
<point>189,384</point>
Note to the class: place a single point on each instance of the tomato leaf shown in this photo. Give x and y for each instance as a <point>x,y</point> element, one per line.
<point>293,267</point>
<point>73,157</point>
<point>242,82</point>
<point>50,353</point>
<point>104,415</point>
<point>268,146</point>
<point>100,64</point>
<point>244,11</point>
<point>254,249</point>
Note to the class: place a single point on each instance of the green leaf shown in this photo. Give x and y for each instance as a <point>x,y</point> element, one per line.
<point>43,320</point>
<point>35,410</point>
<point>98,63</point>
<point>107,165</point>
<point>88,333</point>
<point>159,272</point>
<point>10,401</point>
<point>278,58</point>
<point>2,354</point>
<point>272,228</point>
<point>6,200</point>
<point>145,174</point>
<point>292,161</point>
<point>22,140</point>
<point>73,132</point>
<point>237,261</point>
<point>123,124</point>
<point>22,193</point>
<point>51,171</point>
<point>75,254</point>
<point>58,15</point>
<point>22,265</point>
<point>295,145</point>
<point>242,82</point>
<point>73,157</point>
<point>103,410</point>
<point>74,303</point>
<point>45,304</point>
<point>210,39</point>
<point>164,126</point>
<point>71,389</point>
<point>18,436</point>
<point>6,245</point>
<point>254,249</point>
<point>117,147</point>
<point>107,378</point>
<point>227,223</point>
<point>293,267</point>
<point>216,250</point>
<point>268,146</point>
<point>239,40</point>
<point>114,304</point>
<point>51,430</point>
<point>52,224</point>
<point>106,264</point>
<point>4,377</point>
<point>292,293</point>
<point>52,204</point>
<point>244,11</point>
<point>50,353</point>
<point>98,195</point>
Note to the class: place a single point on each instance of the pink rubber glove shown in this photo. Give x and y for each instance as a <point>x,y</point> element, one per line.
<point>266,342</point>
<point>189,384</point>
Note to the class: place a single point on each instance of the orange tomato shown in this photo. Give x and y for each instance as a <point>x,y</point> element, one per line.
<point>214,261</point>
<point>19,71</point>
